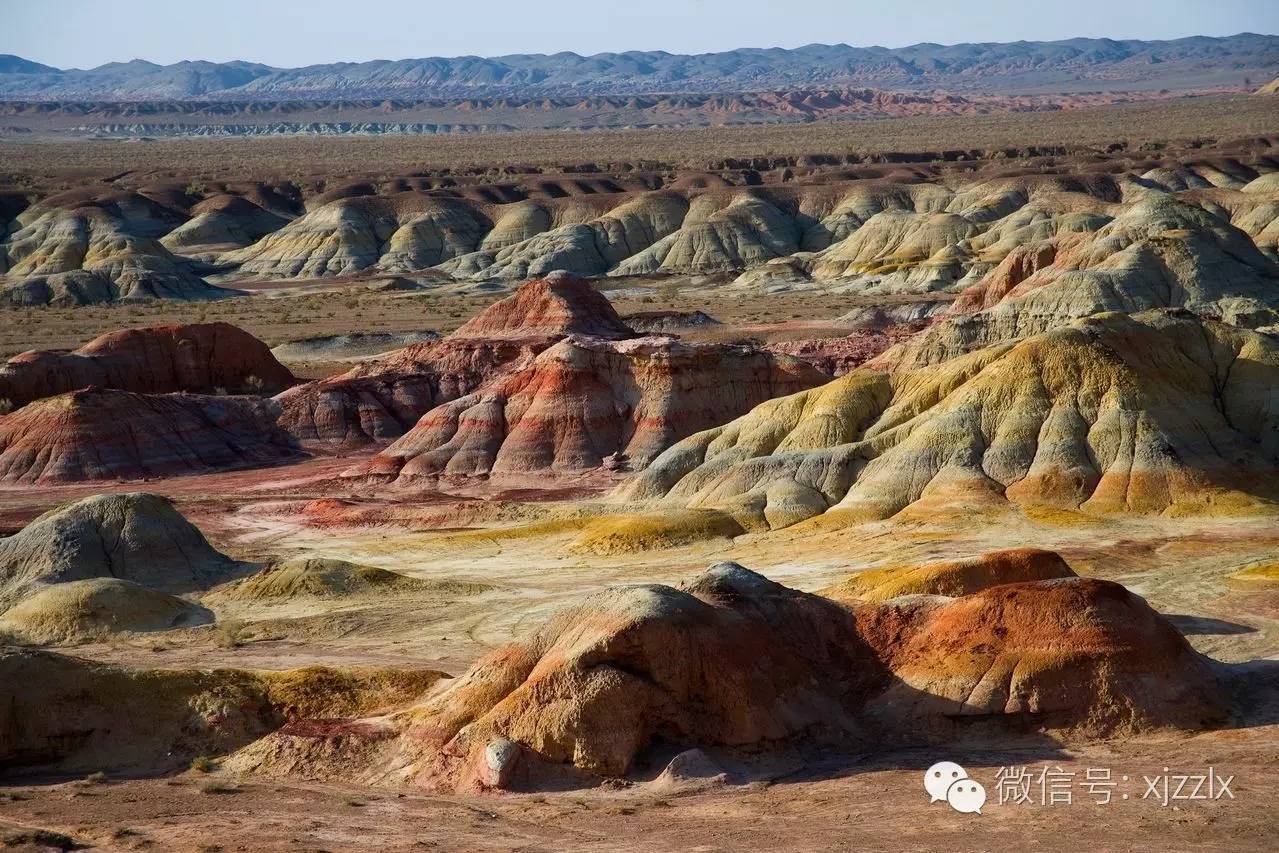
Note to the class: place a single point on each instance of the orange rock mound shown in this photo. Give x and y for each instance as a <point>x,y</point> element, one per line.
<point>201,358</point>
<point>732,659</point>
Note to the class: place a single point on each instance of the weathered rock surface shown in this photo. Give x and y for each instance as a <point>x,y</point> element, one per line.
<point>399,233</point>
<point>220,224</point>
<point>1158,412</point>
<point>668,322</point>
<point>382,399</point>
<point>201,358</point>
<point>104,434</point>
<point>732,659</point>
<point>586,399</point>
<point>89,255</point>
<point>140,538</point>
<point>558,305</point>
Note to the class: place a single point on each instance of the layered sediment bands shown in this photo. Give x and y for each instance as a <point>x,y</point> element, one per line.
<point>104,434</point>
<point>199,358</point>
<point>88,255</point>
<point>381,399</point>
<point>220,224</point>
<point>586,399</point>
<point>559,304</point>
<point>403,232</point>
<point>1161,412</point>
<point>1159,253</point>
<point>732,659</point>
<point>139,538</point>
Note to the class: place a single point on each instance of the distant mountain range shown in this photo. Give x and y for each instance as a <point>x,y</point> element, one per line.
<point>1073,65</point>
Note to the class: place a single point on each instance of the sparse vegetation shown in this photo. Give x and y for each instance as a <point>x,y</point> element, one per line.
<point>231,633</point>
<point>40,839</point>
<point>217,786</point>
<point>203,764</point>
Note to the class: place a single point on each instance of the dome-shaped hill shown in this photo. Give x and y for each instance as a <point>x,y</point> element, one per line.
<point>560,304</point>
<point>321,577</point>
<point>89,609</point>
<point>586,399</point>
<point>1151,413</point>
<point>951,577</point>
<point>732,659</point>
<point>383,398</point>
<point>138,537</point>
<point>89,255</point>
<point>103,434</point>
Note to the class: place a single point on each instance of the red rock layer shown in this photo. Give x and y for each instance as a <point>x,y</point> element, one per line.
<point>201,358</point>
<point>837,356</point>
<point>101,434</point>
<point>379,400</point>
<point>1017,266</point>
<point>586,399</point>
<point>559,304</point>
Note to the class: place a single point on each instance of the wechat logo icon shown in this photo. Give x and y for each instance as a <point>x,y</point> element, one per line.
<point>947,782</point>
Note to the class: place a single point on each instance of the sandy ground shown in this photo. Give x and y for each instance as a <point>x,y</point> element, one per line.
<point>842,804</point>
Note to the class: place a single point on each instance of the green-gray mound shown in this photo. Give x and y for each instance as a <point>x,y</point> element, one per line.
<point>89,609</point>
<point>322,577</point>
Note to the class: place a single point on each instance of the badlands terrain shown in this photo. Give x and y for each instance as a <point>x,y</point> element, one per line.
<point>697,487</point>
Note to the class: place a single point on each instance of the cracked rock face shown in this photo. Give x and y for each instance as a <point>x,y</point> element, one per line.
<point>103,434</point>
<point>199,358</point>
<point>1153,413</point>
<point>137,537</point>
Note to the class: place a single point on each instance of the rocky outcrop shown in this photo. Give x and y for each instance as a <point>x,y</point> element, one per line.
<point>139,538</point>
<point>732,659</point>
<point>586,399</point>
<point>1160,253</point>
<point>1155,413</point>
<point>104,434</point>
<point>668,322</point>
<point>201,358</point>
<point>382,399</point>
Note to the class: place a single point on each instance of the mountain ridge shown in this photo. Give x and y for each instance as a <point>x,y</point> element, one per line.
<point>1024,65</point>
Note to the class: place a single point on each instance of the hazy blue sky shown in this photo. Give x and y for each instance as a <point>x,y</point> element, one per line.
<point>84,33</point>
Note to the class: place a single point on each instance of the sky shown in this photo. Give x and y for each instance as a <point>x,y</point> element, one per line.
<point>290,33</point>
